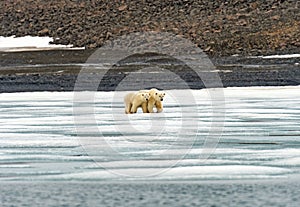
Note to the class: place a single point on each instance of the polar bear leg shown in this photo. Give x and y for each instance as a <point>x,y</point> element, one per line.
<point>159,106</point>
<point>127,101</point>
<point>144,107</point>
<point>150,107</point>
<point>133,108</point>
<point>128,108</point>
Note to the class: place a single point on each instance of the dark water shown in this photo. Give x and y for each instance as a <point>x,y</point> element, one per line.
<point>211,194</point>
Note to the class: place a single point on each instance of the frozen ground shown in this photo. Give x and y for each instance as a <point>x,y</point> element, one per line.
<point>43,136</point>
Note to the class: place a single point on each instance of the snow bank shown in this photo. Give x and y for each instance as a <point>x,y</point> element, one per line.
<point>29,43</point>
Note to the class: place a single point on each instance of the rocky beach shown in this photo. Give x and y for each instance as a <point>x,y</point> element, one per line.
<point>229,32</point>
<point>220,28</point>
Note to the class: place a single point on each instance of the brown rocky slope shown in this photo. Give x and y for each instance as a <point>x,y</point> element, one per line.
<point>219,27</point>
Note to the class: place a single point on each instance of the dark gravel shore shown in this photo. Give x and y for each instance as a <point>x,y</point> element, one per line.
<point>58,71</point>
<point>219,27</point>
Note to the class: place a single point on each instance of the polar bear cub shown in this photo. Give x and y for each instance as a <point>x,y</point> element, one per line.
<point>134,100</point>
<point>156,98</point>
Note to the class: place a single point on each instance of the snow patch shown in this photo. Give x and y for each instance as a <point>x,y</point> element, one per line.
<point>278,56</point>
<point>29,43</point>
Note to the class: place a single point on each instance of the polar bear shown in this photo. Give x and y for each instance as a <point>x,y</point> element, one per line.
<point>134,100</point>
<point>156,98</point>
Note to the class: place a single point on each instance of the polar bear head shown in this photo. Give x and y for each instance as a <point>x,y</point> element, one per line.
<point>156,94</point>
<point>144,96</point>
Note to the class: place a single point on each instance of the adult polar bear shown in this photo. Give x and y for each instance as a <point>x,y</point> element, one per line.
<point>156,98</point>
<point>134,100</point>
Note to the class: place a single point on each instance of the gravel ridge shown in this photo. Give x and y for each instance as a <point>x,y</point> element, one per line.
<point>220,28</point>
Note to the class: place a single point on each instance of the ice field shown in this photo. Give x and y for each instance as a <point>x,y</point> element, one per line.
<point>250,133</point>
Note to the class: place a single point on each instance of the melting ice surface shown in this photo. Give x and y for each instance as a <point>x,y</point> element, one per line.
<point>45,136</point>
